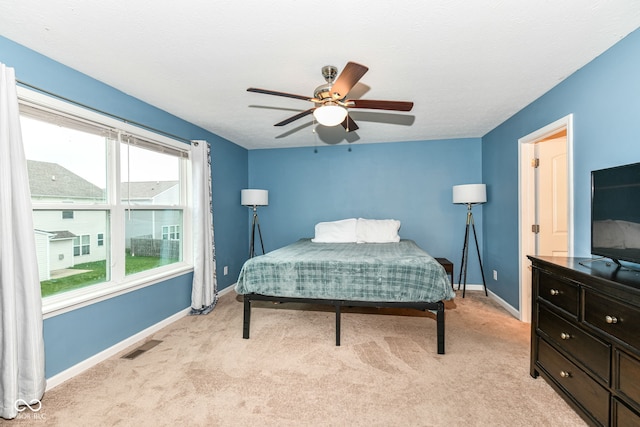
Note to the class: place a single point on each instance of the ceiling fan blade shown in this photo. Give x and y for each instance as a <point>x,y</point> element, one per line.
<point>296,117</point>
<point>349,125</point>
<point>272,92</point>
<point>380,105</point>
<point>347,79</point>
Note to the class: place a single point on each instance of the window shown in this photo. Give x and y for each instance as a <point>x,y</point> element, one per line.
<point>171,232</point>
<point>81,245</point>
<point>128,188</point>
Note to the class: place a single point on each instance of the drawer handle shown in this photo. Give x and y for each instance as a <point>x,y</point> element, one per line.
<point>555,292</point>
<point>611,319</point>
<point>565,336</point>
<point>565,374</point>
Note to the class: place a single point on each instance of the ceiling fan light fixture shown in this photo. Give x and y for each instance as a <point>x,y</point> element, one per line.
<point>330,114</point>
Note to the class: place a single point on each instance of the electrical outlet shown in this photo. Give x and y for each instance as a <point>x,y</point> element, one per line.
<point>226,270</point>
<point>495,275</point>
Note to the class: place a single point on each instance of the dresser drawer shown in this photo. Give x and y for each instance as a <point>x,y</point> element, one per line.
<point>588,350</point>
<point>623,416</point>
<point>627,381</point>
<point>613,317</point>
<point>562,294</point>
<point>587,392</point>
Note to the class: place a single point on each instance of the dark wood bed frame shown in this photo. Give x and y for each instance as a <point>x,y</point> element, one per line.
<point>438,307</point>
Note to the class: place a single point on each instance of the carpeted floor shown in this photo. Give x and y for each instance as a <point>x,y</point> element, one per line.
<point>290,373</point>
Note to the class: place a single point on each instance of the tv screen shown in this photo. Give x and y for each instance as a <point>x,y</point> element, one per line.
<point>615,213</point>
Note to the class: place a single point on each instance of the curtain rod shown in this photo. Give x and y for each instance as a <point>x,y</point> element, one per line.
<point>95,110</point>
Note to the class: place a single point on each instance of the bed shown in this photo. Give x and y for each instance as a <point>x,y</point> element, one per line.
<point>344,274</point>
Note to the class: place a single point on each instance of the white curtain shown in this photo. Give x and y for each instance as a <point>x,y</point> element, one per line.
<point>22,380</point>
<point>204,293</point>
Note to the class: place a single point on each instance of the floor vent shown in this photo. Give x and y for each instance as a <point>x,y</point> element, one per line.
<point>143,348</point>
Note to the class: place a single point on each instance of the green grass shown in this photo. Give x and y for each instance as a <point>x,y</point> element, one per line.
<point>97,273</point>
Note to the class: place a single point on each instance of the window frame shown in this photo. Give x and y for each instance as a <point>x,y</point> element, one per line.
<point>119,283</point>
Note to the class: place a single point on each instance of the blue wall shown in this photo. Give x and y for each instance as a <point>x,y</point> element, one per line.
<point>74,336</point>
<point>408,181</point>
<point>604,97</point>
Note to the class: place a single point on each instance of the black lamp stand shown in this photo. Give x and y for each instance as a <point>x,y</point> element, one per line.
<point>255,223</point>
<point>465,253</point>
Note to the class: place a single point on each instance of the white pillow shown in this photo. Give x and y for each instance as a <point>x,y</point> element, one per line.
<point>377,230</point>
<point>343,231</point>
<point>608,234</point>
<point>631,232</point>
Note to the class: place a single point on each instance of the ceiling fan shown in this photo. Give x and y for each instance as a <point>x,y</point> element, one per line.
<point>331,98</point>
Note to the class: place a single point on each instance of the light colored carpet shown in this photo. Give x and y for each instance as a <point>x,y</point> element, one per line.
<point>290,373</point>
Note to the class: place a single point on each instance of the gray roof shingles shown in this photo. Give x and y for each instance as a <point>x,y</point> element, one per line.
<point>51,180</point>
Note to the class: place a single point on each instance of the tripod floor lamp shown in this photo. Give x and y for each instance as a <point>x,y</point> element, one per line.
<point>254,198</point>
<point>469,194</point>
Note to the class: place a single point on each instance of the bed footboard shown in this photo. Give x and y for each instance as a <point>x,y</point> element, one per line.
<point>438,307</point>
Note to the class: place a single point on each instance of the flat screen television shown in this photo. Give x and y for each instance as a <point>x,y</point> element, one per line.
<point>615,213</point>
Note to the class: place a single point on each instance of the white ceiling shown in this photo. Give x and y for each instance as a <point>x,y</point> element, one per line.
<point>468,65</point>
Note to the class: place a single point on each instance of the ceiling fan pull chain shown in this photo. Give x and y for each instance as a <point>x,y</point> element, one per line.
<point>315,136</point>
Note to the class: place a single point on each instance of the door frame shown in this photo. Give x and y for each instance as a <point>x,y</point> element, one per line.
<point>527,204</point>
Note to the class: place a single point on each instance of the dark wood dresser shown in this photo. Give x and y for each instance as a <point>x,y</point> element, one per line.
<point>585,336</point>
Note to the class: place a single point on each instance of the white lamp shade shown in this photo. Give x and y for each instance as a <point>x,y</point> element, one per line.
<point>470,193</point>
<point>330,114</point>
<point>254,197</point>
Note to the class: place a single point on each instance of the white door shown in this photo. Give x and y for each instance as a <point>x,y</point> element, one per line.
<point>551,196</point>
<point>545,199</point>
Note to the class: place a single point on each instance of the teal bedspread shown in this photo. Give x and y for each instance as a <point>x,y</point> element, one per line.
<point>383,272</point>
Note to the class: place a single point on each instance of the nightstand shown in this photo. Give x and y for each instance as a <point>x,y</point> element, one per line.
<point>448,267</point>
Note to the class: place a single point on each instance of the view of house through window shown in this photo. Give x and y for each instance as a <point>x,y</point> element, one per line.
<point>87,230</point>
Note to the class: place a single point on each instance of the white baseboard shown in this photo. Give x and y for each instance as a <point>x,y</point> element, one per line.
<point>71,372</point>
<point>227,290</point>
<point>469,287</point>
<point>515,313</point>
